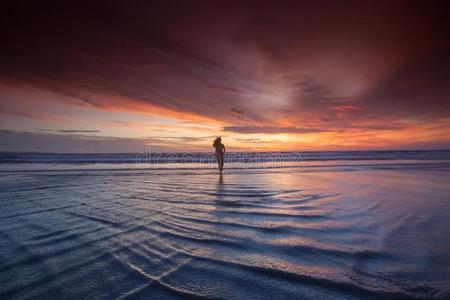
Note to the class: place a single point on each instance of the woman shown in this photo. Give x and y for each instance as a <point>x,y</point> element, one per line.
<point>220,151</point>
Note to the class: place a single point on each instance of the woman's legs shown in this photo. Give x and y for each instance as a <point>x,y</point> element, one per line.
<point>220,161</point>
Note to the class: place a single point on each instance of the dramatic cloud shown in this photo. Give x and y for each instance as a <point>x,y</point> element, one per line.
<point>58,143</point>
<point>78,143</point>
<point>68,130</point>
<point>255,129</point>
<point>249,67</point>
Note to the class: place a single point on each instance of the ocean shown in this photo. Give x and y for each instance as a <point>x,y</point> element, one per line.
<point>290,225</point>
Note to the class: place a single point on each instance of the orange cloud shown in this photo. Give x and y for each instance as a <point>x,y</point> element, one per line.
<point>345,108</point>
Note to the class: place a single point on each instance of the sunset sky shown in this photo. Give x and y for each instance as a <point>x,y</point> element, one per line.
<point>120,76</point>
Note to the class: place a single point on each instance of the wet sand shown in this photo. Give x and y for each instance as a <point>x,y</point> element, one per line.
<point>349,232</point>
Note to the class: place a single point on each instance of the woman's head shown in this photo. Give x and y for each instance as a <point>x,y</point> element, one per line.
<point>217,140</point>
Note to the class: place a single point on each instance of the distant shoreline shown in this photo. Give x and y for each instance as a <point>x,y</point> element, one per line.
<point>208,152</point>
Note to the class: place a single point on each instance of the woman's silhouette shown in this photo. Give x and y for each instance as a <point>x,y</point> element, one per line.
<point>220,151</point>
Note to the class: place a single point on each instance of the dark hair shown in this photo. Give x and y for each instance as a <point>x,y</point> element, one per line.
<point>217,140</point>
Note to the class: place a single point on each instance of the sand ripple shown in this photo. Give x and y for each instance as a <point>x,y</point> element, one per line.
<point>277,234</point>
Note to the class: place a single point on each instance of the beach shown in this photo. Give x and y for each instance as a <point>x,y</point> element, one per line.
<point>330,228</point>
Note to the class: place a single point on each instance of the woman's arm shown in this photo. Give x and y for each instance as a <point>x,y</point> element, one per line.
<point>223,146</point>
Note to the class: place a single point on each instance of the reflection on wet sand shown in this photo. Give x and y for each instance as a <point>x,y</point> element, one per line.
<point>244,234</point>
